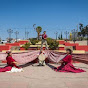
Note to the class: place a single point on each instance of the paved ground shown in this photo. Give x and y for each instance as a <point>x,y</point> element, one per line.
<point>44,77</point>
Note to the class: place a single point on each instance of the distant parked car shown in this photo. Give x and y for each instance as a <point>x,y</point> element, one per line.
<point>3,41</point>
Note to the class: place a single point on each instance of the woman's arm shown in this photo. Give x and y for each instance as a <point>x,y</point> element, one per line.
<point>15,63</point>
<point>40,34</point>
<point>61,61</point>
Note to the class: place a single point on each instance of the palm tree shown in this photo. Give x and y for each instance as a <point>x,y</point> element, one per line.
<point>38,30</point>
<point>80,26</point>
<point>79,34</point>
<point>61,36</point>
<point>83,32</point>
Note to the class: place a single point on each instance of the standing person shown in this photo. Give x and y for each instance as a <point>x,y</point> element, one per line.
<point>11,64</point>
<point>44,37</point>
<point>66,65</point>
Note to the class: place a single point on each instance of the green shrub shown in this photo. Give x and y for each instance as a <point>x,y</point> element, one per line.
<point>26,46</point>
<point>53,44</point>
<point>49,40</point>
<point>34,41</point>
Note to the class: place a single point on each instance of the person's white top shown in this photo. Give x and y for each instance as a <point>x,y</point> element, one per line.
<point>42,56</point>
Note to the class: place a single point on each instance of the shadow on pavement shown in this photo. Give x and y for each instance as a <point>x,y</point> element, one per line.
<point>26,65</point>
<point>4,64</point>
<point>51,66</point>
<point>81,67</point>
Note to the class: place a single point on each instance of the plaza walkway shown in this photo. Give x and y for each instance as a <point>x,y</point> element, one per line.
<point>44,77</point>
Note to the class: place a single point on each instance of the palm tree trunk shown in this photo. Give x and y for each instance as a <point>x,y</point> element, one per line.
<point>38,36</point>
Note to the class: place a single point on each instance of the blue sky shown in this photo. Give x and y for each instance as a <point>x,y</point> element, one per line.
<point>51,15</point>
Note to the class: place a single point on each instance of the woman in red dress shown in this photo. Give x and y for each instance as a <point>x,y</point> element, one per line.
<point>66,65</point>
<point>10,63</point>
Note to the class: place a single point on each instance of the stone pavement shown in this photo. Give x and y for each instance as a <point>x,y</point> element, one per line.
<point>44,77</point>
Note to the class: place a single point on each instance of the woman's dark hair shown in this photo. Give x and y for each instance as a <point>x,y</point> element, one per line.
<point>8,53</point>
<point>69,50</point>
<point>44,31</point>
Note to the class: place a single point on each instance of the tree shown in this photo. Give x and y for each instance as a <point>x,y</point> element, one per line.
<point>79,34</point>
<point>80,26</point>
<point>38,30</point>
<point>61,36</point>
<point>10,31</point>
<point>83,31</point>
<point>0,39</point>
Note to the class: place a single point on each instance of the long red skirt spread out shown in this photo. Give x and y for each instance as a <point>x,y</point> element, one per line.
<point>9,64</point>
<point>67,66</point>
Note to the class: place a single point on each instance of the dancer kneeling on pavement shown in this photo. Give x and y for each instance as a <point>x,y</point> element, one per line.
<point>66,65</point>
<point>41,58</point>
<point>11,64</point>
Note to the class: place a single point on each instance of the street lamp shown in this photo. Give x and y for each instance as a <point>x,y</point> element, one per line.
<point>61,36</point>
<point>74,33</point>
<point>16,33</point>
<point>66,33</point>
<point>10,31</point>
<point>27,34</point>
<point>56,34</point>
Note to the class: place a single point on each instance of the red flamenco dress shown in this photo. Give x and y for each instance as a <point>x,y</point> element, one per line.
<point>67,66</point>
<point>10,64</point>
